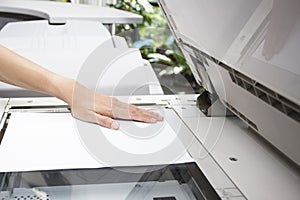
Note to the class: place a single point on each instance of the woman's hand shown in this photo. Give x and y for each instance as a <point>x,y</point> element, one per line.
<point>93,107</point>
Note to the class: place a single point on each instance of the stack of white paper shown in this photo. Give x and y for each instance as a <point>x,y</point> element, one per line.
<point>44,141</point>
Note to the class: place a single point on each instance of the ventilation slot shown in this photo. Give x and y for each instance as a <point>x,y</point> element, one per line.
<point>243,117</point>
<point>31,197</point>
<point>267,95</point>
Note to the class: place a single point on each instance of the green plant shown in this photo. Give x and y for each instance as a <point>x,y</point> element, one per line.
<point>133,6</point>
<point>153,37</point>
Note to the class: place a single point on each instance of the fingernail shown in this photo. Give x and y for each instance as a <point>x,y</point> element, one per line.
<point>115,125</point>
<point>152,120</point>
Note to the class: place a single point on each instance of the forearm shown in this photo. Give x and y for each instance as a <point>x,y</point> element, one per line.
<point>21,72</point>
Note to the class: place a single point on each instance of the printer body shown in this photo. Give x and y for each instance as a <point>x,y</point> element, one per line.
<point>242,133</point>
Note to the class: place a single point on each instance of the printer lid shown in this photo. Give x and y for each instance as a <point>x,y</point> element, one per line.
<point>243,32</point>
<point>246,52</point>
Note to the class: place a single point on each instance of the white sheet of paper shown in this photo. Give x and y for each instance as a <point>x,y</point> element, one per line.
<point>46,141</point>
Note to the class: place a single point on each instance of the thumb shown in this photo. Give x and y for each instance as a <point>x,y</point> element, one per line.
<point>107,122</point>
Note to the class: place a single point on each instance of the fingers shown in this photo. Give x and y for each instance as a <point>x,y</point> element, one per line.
<point>107,122</point>
<point>123,110</point>
<point>144,115</point>
<point>156,116</point>
<point>113,108</point>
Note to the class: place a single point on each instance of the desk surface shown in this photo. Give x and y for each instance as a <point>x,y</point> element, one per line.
<point>58,12</point>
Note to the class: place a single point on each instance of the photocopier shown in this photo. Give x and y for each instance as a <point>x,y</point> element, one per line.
<point>237,140</point>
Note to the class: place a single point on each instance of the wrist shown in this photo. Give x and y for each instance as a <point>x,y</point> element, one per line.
<point>63,88</point>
